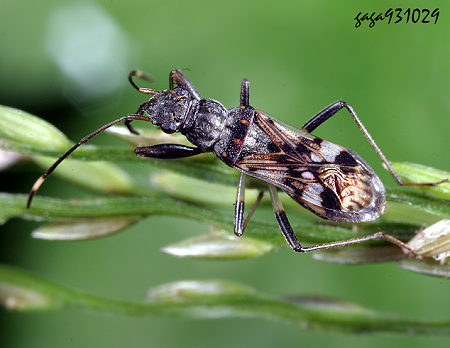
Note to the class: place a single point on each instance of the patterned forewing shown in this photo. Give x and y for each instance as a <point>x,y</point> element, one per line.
<point>330,180</point>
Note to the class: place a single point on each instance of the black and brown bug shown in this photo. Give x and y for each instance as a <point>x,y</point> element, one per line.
<point>330,180</point>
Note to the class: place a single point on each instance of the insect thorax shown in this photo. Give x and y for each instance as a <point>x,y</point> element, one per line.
<point>232,138</point>
<point>205,123</point>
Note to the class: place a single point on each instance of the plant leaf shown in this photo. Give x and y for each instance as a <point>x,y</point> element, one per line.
<point>83,228</point>
<point>147,136</point>
<point>428,267</point>
<point>218,245</point>
<point>411,206</point>
<point>418,173</point>
<point>96,175</point>
<point>20,127</point>
<point>22,291</point>
<point>434,241</point>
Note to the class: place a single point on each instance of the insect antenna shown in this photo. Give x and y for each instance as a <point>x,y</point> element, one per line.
<point>50,170</point>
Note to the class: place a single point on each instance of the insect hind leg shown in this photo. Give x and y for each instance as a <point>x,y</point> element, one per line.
<point>332,109</point>
<point>322,116</point>
<point>293,242</point>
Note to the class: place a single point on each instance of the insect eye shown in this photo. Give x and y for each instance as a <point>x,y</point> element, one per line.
<point>169,127</point>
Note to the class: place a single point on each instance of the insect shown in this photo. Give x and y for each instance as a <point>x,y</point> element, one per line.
<point>330,180</point>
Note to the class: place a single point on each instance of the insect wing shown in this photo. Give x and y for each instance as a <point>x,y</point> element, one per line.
<point>330,180</point>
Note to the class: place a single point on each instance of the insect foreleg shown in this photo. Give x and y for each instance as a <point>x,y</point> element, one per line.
<point>144,76</point>
<point>178,78</point>
<point>150,91</point>
<point>167,151</point>
<point>239,223</point>
<point>332,109</point>
<point>130,127</point>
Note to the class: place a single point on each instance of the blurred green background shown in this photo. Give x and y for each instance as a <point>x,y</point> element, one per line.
<point>67,61</point>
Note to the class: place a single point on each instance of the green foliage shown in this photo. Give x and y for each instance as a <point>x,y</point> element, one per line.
<point>182,193</point>
<point>22,291</point>
<point>68,63</point>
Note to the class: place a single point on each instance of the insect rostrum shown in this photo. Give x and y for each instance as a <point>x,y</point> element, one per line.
<point>328,179</point>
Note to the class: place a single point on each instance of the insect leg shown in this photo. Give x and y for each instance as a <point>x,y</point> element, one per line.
<point>377,235</point>
<point>283,221</point>
<point>150,91</point>
<point>176,76</point>
<point>292,240</point>
<point>239,207</point>
<point>330,110</point>
<point>239,223</point>
<point>245,93</point>
<point>323,115</point>
<point>167,151</point>
<point>144,76</point>
<point>130,127</point>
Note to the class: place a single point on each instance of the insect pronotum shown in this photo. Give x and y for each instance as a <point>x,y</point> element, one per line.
<point>330,180</point>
